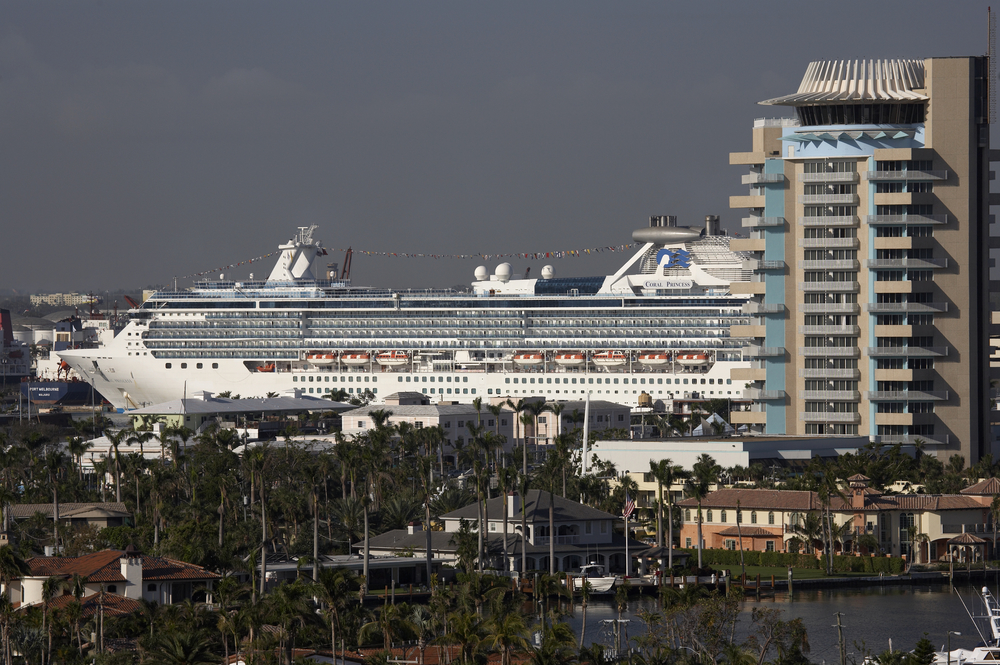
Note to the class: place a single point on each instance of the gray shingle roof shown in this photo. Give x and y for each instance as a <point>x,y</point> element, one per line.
<point>537,509</point>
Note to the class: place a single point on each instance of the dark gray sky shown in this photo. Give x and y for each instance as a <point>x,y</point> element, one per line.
<point>144,140</point>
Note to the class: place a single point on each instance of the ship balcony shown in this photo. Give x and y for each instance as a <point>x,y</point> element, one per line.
<point>830,308</point>
<point>875,220</point>
<point>757,264</point>
<point>830,395</point>
<point>829,351</point>
<point>905,175</point>
<point>915,264</point>
<point>829,287</point>
<point>762,178</point>
<point>755,351</point>
<point>911,439</point>
<point>840,176</point>
<point>830,417</point>
<point>832,220</point>
<point>828,264</point>
<point>907,351</point>
<point>754,308</point>
<point>829,243</point>
<point>905,307</point>
<point>763,395</point>
<point>755,222</point>
<point>829,199</point>
<point>829,373</point>
<point>906,395</point>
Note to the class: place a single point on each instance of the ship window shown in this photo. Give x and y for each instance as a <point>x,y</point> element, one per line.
<point>465,379</point>
<point>199,365</point>
<point>400,379</point>
<point>366,379</point>
<point>505,380</point>
<point>703,382</point>
<point>616,382</point>
<point>685,382</point>
<point>374,379</point>
<point>489,391</point>
<point>424,379</point>
<point>295,379</point>
<point>424,390</point>
<point>729,382</point>
<point>548,380</point>
<point>310,389</point>
<point>432,379</point>
<point>184,365</point>
<point>532,379</point>
<point>214,365</point>
<point>590,381</point>
<point>465,391</point>
<point>310,379</point>
<point>328,379</point>
<point>432,391</point>
<point>449,379</point>
<point>168,365</point>
<point>473,391</point>
<point>711,382</point>
<point>407,379</point>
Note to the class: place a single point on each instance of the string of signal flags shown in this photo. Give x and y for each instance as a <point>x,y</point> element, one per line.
<point>556,254</point>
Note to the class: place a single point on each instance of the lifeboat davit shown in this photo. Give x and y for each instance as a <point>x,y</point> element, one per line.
<point>610,358</point>
<point>392,358</point>
<point>321,358</point>
<point>570,359</point>
<point>654,359</point>
<point>529,358</point>
<point>356,359</point>
<point>692,359</point>
<point>269,367</point>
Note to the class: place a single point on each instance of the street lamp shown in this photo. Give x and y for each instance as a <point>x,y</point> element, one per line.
<point>950,633</point>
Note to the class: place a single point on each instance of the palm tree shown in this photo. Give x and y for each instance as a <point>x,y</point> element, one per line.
<point>115,439</point>
<point>584,600</point>
<point>506,633</point>
<point>391,621</point>
<point>53,465</point>
<point>666,474</point>
<point>374,460</point>
<point>182,648</point>
<point>77,447</point>
<point>466,630</point>
<point>335,590</point>
<point>706,472</point>
<point>50,589</point>
<point>518,408</point>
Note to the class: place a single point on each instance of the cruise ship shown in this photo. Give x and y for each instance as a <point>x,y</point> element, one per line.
<point>659,325</point>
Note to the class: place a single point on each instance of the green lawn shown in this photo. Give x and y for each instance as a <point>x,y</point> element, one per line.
<point>781,573</point>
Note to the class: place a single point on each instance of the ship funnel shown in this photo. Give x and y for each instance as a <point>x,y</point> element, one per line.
<point>712,225</point>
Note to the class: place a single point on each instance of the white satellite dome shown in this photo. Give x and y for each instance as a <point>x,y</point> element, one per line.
<point>481,274</point>
<point>548,272</point>
<point>503,272</point>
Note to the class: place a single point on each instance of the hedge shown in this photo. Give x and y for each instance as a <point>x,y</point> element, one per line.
<point>721,558</point>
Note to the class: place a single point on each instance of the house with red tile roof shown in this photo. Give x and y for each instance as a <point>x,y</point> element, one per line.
<point>129,574</point>
<point>766,520</point>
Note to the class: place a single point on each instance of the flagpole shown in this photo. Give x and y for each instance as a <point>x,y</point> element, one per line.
<point>628,561</point>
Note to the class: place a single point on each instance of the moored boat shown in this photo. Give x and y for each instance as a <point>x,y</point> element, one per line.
<point>654,359</point>
<point>692,359</point>
<point>529,359</point>
<point>355,358</point>
<point>392,358</point>
<point>321,358</point>
<point>570,359</point>
<point>610,358</point>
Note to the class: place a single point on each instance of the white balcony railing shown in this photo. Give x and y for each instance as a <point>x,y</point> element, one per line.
<point>833,220</point>
<point>906,175</point>
<point>921,264</point>
<point>841,176</point>
<point>876,220</point>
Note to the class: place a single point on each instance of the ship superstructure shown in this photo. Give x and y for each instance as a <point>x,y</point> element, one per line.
<point>663,330</point>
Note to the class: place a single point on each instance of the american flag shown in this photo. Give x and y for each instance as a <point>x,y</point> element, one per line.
<point>629,506</point>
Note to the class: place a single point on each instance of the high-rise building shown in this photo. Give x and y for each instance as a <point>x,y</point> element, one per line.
<point>868,217</point>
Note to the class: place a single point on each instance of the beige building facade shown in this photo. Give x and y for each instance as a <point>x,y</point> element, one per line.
<point>868,219</point>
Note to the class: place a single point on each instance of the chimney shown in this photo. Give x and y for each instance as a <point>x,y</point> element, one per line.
<point>513,505</point>
<point>414,527</point>
<point>131,563</point>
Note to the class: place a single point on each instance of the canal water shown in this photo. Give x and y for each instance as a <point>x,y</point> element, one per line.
<point>871,617</point>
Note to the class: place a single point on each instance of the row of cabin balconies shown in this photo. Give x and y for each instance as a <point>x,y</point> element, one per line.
<point>755,221</point>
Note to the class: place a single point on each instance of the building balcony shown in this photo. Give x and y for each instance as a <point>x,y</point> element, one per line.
<point>830,330</point>
<point>750,331</point>
<point>829,287</point>
<point>559,540</point>
<point>893,374</point>
<point>915,264</point>
<point>747,417</point>
<point>763,395</point>
<point>882,330</point>
<point>830,417</point>
<point>762,178</point>
<point>758,264</point>
<point>830,308</point>
<point>905,175</point>
<point>747,201</point>
<point>911,439</point>
<point>876,220</point>
<point>755,351</point>
<point>754,222</point>
<point>752,373</point>
<point>904,419</point>
<point>907,351</point>
<point>830,395</point>
<point>906,242</point>
<point>829,373</point>
<point>829,199</point>
<point>829,243</point>
<point>843,176</point>
<point>747,244</point>
<point>827,264</point>
<point>747,288</point>
<point>905,307</point>
<point>893,286</point>
<point>829,351</point>
<point>832,220</point>
<point>754,308</point>
<point>906,395</point>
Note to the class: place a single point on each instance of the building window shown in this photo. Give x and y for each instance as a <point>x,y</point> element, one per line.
<point>730,544</point>
<point>739,517</point>
<point>687,514</point>
<point>361,424</point>
<point>687,543</point>
<point>722,516</point>
<point>770,518</point>
<point>604,526</point>
<point>588,528</point>
<point>769,546</point>
<point>708,515</point>
<point>112,588</point>
<point>753,517</point>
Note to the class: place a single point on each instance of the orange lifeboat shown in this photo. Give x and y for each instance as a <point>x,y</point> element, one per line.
<point>570,359</point>
<point>654,359</point>
<point>268,367</point>
<point>355,359</point>
<point>392,358</point>
<point>610,358</point>
<point>321,358</point>
<point>692,359</point>
<point>529,359</point>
